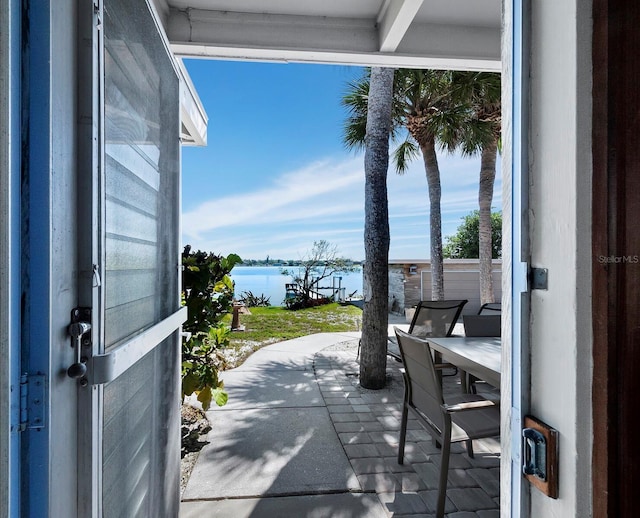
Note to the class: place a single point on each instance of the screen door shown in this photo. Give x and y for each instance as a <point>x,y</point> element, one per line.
<point>129,415</point>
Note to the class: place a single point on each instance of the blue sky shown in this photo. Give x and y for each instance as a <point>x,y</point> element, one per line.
<point>275,176</point>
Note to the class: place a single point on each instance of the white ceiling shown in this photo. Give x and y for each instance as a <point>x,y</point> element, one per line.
<point>463,34</point>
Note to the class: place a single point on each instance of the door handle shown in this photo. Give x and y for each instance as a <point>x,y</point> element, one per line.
<point>534,446</point>
<point>77,330</point>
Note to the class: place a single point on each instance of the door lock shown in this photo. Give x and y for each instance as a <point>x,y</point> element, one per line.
<point>78,330</point>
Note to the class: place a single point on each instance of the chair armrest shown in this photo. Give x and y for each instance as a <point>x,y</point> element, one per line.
<point>394,356</point>
<point>471,405</point>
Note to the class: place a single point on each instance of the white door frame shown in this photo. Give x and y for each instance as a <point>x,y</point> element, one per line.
<point>10,264</point>
<point>514,501</point>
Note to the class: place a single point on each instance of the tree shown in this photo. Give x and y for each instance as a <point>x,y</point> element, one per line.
<point>465,243</point>
<point>321,262</point>
<point>479,133</point>
<point>422,105</point>
<point>373,360</point>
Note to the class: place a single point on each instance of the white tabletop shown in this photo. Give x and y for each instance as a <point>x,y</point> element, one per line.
<point>480,356</point>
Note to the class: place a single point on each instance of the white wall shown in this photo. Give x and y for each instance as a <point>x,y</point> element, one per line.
<point>560,234</point>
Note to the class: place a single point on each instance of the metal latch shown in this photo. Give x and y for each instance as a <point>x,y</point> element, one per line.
<point>80,333</point>
<point>32,402</point>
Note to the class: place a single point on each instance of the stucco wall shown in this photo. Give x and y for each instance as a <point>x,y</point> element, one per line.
<point>560,230</point>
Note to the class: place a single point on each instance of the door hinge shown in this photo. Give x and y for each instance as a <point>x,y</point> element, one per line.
<point>32,402</point>
<point>539,279</point>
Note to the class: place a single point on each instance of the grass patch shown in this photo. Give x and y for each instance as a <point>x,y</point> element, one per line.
<point>268,325</point>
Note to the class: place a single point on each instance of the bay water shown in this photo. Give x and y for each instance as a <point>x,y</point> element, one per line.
<point>270,282</point>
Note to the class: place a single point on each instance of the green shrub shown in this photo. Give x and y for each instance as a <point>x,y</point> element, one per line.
<point>301,301</point>
<point>254,301</point>
<point>208,295</point>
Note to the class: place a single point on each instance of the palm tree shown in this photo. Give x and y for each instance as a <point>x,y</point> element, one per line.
<point>478,132</point>
<point>422,106</point>
<point>373,361</point>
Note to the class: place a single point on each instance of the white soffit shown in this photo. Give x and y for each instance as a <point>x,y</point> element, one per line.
<point>448,34</point>
<point>193,117</point>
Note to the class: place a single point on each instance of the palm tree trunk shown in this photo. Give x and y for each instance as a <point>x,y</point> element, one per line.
<point>485,197</point>
<point>428,149</point>
<point>373,360</point>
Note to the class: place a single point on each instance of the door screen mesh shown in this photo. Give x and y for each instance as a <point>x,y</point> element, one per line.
<point>141,410</point>
<point>141,172</point>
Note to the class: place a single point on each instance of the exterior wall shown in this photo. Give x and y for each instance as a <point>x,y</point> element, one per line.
<point>560,239</point>
<point>409,286</point>
<point>396,288</point>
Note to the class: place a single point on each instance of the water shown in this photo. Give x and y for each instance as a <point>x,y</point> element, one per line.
<point>269,281</point>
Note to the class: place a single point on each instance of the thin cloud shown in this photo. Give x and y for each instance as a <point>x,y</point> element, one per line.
<point>325,200</point>
<point>316,181</point>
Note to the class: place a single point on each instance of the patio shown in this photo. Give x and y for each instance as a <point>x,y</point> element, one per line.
<point>300,437</point>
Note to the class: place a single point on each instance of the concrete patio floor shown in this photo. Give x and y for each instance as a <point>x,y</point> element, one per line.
<point>300,438</point>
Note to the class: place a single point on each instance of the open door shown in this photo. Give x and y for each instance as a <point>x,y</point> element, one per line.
<point>127,323</point>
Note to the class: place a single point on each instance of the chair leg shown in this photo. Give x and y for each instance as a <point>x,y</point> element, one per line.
<point>464,382</point>
<point>444,472</point>
<point>403,432</point>
<point>470,448</point>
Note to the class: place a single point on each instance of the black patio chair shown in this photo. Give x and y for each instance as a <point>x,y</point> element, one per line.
<point>490,308</point>
<point>486,323</point>
<point>458,418</point>
<point>433,319</point>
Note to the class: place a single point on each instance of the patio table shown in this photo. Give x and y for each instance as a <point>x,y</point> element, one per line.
<point>479,356</point>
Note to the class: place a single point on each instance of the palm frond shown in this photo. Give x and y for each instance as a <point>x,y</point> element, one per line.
<point>405,153</point>
<point>354,133</point>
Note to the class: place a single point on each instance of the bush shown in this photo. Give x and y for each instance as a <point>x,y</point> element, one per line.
<point>208,295</point>
<point>254,301</point>
<point>303,302</point>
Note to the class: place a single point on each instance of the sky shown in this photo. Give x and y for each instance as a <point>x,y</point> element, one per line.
<point>275,175</point>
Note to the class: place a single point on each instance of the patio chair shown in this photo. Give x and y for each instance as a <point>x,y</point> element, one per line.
<point>459,418</point>
<point>432,318</point>
<point>490,308</point>
<point>486,323</point>
<point>435,317</point>
<point>482,325</point>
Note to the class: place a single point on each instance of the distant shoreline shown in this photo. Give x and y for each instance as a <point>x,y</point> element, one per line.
<point>268,280</point>
<point>282,264</point>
